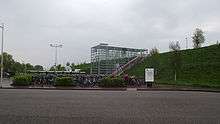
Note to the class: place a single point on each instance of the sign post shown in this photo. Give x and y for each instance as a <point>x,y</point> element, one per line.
<point>149,76</point>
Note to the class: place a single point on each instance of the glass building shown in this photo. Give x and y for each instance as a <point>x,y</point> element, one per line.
<point>106,59</point>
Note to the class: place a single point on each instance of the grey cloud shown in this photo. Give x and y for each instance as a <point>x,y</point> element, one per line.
<point>32,25</point>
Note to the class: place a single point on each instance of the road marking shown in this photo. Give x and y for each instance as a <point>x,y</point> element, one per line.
<point>131,89</point>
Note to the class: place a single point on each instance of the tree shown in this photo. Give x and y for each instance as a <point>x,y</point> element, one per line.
<point>52,68</point>
<point>12,67</point>
<point>175,59</point>
<point>85,67</point>
<point>38,68</point>
<point>198,38</point>
<point>17,67</point>
<point>29,66</point>
<point>67,64</point>
<point>154,54</point>
<point>60,68</point>
<point>174,46</point>
<point>73,66</point>
<point>154,51</point>
<point>8,62</point>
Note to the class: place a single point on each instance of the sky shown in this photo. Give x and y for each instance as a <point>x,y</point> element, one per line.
<point>31,25</point>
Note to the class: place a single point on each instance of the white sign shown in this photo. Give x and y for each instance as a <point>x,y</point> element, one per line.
<point>149,75</point>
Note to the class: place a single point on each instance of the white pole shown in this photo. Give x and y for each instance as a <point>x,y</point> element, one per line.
<point>55,59</point>
<point>56,46</point>
<point>2,54</point>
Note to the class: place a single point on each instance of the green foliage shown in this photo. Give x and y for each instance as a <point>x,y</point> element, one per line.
<point>38,68</point>
<point>199,67</point>
<point>65,81</point>
<point>174,46</point>
<point>8,62</point>
<point>72,66</point>
<point>112,82</point>
<point>52,68</point>
<point>58,68</point>
<point>85,67</point>
<point>175,58</point>
<point>22,80</point>
<point>198,38</point>
<point>13,67</point>
<point>67,64</point>
<point>154,51</point>
<point>29,66</point>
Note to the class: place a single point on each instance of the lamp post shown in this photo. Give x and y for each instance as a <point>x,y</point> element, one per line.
<point>56,46</point>
<point>2,58</point>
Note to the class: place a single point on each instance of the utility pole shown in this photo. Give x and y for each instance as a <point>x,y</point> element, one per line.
<point>2,58</point>
<point>56,46</point>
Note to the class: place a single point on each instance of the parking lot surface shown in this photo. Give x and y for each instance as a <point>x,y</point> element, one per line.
<point>26,106</point>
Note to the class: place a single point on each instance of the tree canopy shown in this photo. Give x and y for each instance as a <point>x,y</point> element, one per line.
<point>198,38</point>
<point>12,66</point>
<point>154,51</point>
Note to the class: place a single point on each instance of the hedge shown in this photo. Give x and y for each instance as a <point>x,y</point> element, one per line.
<point>65,81</point>
<point>200,68</point>
<point>22,80</point>
<point>112,82</point>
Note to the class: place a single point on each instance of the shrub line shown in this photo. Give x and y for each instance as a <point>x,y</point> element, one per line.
<point>116,89</point>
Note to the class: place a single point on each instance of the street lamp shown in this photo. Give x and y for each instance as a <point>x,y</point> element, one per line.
<point>2,27</point>
<point>56,46</point>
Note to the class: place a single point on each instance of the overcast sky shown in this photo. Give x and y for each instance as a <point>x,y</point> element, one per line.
<point>31,25</point>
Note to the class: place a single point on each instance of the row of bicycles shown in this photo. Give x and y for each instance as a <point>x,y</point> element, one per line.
<point>132,81</point>
<point>43,80</point>
<point>83,80</point>
<point>88,80</point>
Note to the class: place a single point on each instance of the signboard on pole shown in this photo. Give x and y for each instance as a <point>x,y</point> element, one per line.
<point>149,75</point>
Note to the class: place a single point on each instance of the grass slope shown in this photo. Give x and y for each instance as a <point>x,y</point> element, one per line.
<point>200,67</point>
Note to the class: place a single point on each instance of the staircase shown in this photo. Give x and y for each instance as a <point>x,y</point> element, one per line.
<point>128,65</point>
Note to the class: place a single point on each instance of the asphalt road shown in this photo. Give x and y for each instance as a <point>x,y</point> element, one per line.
<point>108,107</point>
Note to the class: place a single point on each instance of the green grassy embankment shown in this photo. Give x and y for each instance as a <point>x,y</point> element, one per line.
<point>200,68</point>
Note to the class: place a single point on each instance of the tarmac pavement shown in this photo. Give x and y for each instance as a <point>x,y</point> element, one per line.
<point>27,106</point>
<point>6,83</point>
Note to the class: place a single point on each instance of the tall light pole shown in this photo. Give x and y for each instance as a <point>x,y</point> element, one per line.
<point>56,46</point>
<point>2,26</point>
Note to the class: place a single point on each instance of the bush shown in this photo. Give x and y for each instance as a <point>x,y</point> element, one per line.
<point>65,81</point>
<point>22,80</point>
<point>112,82</point>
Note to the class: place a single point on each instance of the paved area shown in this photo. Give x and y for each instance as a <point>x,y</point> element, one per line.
<point>19,106</point>
<point>6,82</point>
